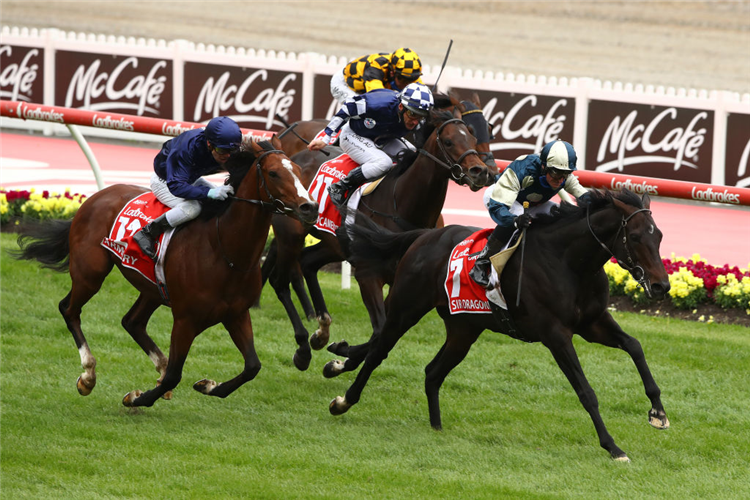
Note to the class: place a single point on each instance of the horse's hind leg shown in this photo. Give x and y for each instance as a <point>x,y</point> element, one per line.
<point>87,279</point>
<point>241,331</point>
<point>134,322</point>
<point>607,332</point>
<point>459,339</point>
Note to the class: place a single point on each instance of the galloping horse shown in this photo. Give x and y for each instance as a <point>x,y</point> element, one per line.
<point>565,292</point>
<point>406,198</point>
<point>212,267</point>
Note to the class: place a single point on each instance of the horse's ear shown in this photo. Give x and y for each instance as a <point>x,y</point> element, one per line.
<point>254,147</point>
<point>456,113</point>
<point>276,142</point>
<point>646,200</point>
<point>475,100</point>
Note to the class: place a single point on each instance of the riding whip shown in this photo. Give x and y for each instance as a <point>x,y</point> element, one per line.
<point>290,128</point>
<point>523,247</point>
<point>434,87</point>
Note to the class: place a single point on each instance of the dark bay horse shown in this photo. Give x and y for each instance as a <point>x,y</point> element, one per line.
<point>565,292</point>
<point>212,266</point>
<point>406,198</point>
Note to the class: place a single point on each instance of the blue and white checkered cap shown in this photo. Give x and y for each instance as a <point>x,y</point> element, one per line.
<point>417,97</point>
<point>559,155</point>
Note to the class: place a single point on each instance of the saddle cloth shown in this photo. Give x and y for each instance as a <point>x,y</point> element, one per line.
<point>329,218</point>
<point>464,294</point>
<point>132,218</point>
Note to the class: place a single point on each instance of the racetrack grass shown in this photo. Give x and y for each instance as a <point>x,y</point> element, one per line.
<point>513,427</point>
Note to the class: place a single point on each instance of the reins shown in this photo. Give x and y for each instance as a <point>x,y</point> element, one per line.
<point>632,267</point>
<point>275,206</point>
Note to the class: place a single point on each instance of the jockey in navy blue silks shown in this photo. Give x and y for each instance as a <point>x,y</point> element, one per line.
<point>178,170</point>
<point>372,129</point>
<point>531,178</point>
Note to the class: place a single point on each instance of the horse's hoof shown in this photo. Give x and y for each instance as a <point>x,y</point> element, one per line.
<point>333,368</point>
<point>339,406</point>
<point>302,362</point>
<point>85,386</point>
<point>205,386</point>
<point>339,348</point>
<point>130,398</point>
<point>317,340</point>
<point>167,395</point>
<point>623,458</point>
<point>658,419</point>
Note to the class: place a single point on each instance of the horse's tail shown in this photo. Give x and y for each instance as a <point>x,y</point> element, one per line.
<point>45,242</point>
<point>368,241</point>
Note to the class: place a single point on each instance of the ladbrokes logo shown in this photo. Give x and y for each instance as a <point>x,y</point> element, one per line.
<point>19,73</point>
<point>528,124</point>
<point>130,85</point>
<point>640,188</point>
<point>39,113</point>
<point>661,142</point>
<point>256,99</point>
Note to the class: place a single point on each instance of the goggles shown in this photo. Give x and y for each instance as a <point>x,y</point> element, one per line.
<point>225,151</point>
<point>558,174</point>
<point>412,115</point>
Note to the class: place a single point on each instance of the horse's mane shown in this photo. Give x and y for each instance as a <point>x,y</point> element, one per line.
<point>238,165</point>
<point>406,158</point>
<point>595,200</point>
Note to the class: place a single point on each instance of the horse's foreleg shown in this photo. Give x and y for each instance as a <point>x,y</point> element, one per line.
<point>564,353</point>
<point>280,282</point>
<point>607,332</point>
<point>241,331</point>
<point>459,340</point>
<point>134,322</point>
<point>298,284</point>
<point>183,335</point>
<point>312,259</point>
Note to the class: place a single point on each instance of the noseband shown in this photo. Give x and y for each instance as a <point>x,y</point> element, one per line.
<point>455,169</point>
<point>632,266</point>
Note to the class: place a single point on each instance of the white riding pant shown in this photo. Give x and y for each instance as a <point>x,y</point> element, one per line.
<point>182,210</point>
<point>339,89</point>
<point>375,161</point>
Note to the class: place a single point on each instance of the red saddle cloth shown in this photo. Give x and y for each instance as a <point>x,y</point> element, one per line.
<point>132,218</point>
<point>329,218</point>
<point>464,294</point>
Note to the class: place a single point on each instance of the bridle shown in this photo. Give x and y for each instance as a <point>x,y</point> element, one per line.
<point>453,166</point>
<point>632,266</point>
<point>275,206</point>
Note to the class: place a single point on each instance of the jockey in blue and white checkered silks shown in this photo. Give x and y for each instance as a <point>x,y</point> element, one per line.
<point>372,129</point>
<point>530,178</point>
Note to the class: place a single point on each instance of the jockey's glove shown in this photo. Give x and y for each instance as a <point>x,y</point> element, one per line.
<point>220,193</point>
<point>522,221</point>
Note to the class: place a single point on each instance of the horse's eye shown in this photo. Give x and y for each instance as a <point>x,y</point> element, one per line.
<point>273,174</point>
<point>635,237</point>
<point>448,143</point>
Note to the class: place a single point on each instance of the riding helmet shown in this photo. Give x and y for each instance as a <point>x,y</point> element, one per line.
<point>559,155</point>
<point>417,98</point>
<point>223,132</point>
<point>406,64</point>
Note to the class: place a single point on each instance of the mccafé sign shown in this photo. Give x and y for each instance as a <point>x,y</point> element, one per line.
<point>250,96</point>
<point>650,141</point>
<point>21,73</point>
<point>124,84</point>
<point>737,148</point>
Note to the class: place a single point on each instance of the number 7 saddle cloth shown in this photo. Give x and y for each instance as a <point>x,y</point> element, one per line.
<point>132,218</point>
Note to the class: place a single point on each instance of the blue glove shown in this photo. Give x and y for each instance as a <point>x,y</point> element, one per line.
<point>220,193</point>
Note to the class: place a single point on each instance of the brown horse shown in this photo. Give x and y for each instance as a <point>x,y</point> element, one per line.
<point>406,198</point>
<point>565,292</point>
<point>212,266</point>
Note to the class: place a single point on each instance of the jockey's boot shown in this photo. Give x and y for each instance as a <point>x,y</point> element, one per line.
<point>341,190</point>
<point>146,237</point>
<point>482,269</point>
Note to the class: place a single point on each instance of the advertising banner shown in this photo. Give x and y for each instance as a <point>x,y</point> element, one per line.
<point>524,123</point>
<point>119,83</point>
<point>21,73</point>
<point>250,96</point>
<point>650,141</point>
<point>737,170</point>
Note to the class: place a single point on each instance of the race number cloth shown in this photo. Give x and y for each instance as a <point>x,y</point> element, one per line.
<point>134,216</point>
<point>464,294</point>
<point>329,218</point>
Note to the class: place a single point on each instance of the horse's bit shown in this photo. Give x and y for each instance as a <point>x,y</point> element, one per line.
<point>632,267</point>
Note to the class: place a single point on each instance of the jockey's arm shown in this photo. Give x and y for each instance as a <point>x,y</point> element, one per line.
<point>502,196</point>
<point>353,107</point>
<point>573,186</point>
<point>373,77</point>
<point>179,177</point>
